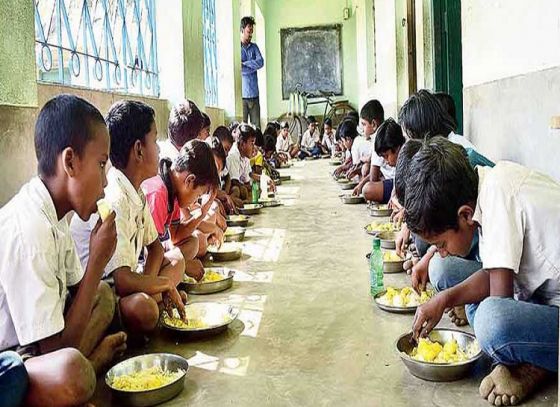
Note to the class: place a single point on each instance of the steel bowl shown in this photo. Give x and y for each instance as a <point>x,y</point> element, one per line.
<point>387,240</point>
<point>438,372</point>
<point>372,232</point>
<point>391,267</point>
<point>343,180</point>
<point>216,316</point>
<point>212,287</point>
<point>166,361</point>
<point>234,234</point>
<point>335,162</point>
<point>350,199</point>
<point>285,178</point>
<point>350,185</point>
<point>250,209</point>
<point>238,220</point>
<point>392,308</point>
<point>380,211</point>
<point>270,203</point>
<point>228,252</point>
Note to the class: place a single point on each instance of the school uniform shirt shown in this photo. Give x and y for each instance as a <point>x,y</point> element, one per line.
<point>157,199</point>
<point>387,171</point>
<point>239,167</point>
<point>328,141</point>
<point>519,213</point>
<point>283,144</point>
<point>461,140</point>
<point>167,149</point>
<point>308,140</point>
<point>38,262</point>
<point>359,148</point>
<point>135,226</point>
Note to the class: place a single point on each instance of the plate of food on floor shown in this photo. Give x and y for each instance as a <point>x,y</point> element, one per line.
<point>234,234</point>
<point>375,227</point>
<point>237,220</point>
<point>215,279</point>
<point>225,252</point>
<point>204,318</point>
<point>401,300</point>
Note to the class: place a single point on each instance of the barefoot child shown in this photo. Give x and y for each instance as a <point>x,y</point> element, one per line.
<point>55,313</point>
<point>134,156</point>
<point>513,300</point>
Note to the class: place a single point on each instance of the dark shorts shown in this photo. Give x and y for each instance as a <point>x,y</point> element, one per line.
<point>13,379</point>
<point>387,190</point>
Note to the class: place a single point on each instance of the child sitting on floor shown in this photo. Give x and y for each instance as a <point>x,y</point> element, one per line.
<point>311,140</point>
<point>185,123</point>
<point>284,146</point>
<point>52,311</point>
<point>329,142</point>
<point>388,142</point>
<point>204,132</point>
<point>179,185</point>
<point>346,132</point>
<point>134,156</point>
<point>512,302</point>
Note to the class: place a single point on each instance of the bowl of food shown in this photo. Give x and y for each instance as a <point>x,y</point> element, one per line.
<point>250,209</point>
<point>380,210</point>
<point>234,234</point>
<point>226,252</point>
<point>238,220</point>
<point>343,180</point>
<point>374,228</point>
<point>392,262</point>
<point>388,240</point>
<point>147,380</point>
<point>202,318</point>
<point>348,186</point>
<point>446,355</point>
<point>215,279</point>
<point>352,199</point>
<point>401,301</point>
<point>270,202</point>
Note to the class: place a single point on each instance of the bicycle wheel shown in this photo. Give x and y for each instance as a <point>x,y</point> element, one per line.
<point>338,112</point>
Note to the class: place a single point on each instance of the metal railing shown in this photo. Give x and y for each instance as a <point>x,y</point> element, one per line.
<point>210,51</point>
<point>99,44</point>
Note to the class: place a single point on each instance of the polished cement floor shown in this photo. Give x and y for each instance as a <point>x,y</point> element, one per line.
<point>308,334</point>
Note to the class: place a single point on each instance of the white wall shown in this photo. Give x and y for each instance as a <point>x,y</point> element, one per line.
<point>504,38</point>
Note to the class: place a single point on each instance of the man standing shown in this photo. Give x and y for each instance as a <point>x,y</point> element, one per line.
<point>251,61</point>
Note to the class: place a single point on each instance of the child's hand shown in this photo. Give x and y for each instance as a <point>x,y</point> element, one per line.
<point>207,201</point>
<point>217,237</point>
<point>420,276</point>
<point>172,299</point>
<point>102,242</point>
<point>272,185</point>
<point>402,240</point>
<point>356,191</point>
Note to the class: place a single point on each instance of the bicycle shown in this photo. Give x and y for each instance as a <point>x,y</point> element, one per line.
<point>296,117</point>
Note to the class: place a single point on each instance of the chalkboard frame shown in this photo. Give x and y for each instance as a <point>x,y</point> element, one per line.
<point>285,32</point>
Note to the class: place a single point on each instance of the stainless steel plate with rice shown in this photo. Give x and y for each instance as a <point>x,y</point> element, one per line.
<point>134,367</point>
<point>210,287</point>
<point>348,186</point>
<point>227,252</point>
<point>203,318</point>
<point>238,220</point>
<point>440,372</point>
<point>378,210</point>
<point>234,234</point>
<point>250,209</point>
<point>352,199</point>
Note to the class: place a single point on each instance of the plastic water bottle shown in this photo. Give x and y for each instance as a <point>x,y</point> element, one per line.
<point>255,192</point>
<point>376,268</point>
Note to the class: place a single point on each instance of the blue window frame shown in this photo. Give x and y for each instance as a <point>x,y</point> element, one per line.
<point>99,44</point>
<point>210,57</point>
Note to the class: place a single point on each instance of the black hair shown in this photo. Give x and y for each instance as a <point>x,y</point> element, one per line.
<point>259,138</point>
<point>271,129</point>
<point>195,157</point>
<point>389,137</point>
<point>348,129</point>
<point>233,126</point>
<point>327,122</point>
<point>247,20</point>
<point>218,150</point>
<point>423,116</point>
<point>353,115</point>
<point>185,122</point>
<point>406,153</point>
<point>206,122</point>
<point>222,133</point>
<point>439,181</point>
<point>448,105</point>
<point>64,121</point>
<point>347,121</point>
<point>246,132</point>
<point>127,121</point>
<point>269,144</point>
<point>311,119</point>
<point>284,125</point>
<point>373,110</point>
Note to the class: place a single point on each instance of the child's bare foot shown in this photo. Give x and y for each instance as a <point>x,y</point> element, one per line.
<point>104,353</point>
<point>458,316</point>
<point>508,385</point>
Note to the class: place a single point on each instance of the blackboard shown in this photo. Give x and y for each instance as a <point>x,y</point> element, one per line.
<point>312,57</point>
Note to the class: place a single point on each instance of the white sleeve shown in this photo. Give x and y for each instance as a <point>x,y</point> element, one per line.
<point>355,151</point>
<point>234,166</point>
<point>34,294</point>
<point>502,220</point>
<point>375,159</point>
<point>150,231</point>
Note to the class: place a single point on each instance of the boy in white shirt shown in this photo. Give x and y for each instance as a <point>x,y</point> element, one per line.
<point>48,304</point>
<point>239,164</point>
<point>284,145</point>
<point>134,155</point>
<point>311,140</point>
<point>329,142</point>
<point>512,302</point>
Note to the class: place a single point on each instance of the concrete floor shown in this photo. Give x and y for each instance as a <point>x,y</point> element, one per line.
<point>308,333</point>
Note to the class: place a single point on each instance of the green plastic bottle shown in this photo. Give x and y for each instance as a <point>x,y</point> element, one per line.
<point>255,192</point>
<point>376,268</point>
